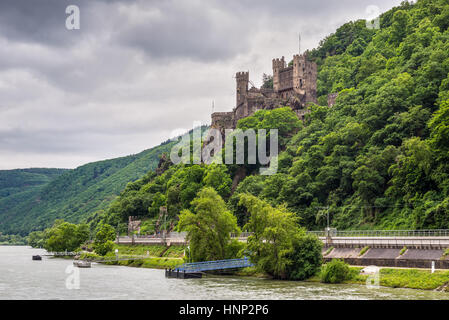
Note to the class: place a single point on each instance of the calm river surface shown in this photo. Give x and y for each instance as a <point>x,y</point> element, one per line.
<point>22,278</point>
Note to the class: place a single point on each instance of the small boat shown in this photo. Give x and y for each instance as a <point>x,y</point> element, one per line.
<point>37,257</point>
<point>82,264</point>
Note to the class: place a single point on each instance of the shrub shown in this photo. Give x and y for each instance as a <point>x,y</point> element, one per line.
<point>362,252</point>
<point>403,251</point>
<point>104,239</point>
<point>306,257</point>
<point>446,252</point>
<point>335,271</point>
<point>328,251</point>
<point>103,248</point>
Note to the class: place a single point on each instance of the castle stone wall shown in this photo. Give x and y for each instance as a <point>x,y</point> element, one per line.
<point>293,86</point>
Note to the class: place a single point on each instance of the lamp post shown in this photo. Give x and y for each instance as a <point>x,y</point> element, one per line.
<point>327,232</point>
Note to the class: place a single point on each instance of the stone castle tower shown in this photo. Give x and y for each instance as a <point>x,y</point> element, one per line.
<point>242,79</point>
<point>297,79</point>
<point>293,85</point>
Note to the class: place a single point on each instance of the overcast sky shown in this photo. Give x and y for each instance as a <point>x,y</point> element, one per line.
<point>136,71</point>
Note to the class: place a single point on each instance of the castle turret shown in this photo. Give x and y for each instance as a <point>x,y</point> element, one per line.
<point>304,77</point>
<point>242,79</point>
<point>278,66</point>
<point>298,73</point>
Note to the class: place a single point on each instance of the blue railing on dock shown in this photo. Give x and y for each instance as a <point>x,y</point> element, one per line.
<point>215,265</point>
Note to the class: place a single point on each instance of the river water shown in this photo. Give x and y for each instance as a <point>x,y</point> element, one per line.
<point>22,278</point>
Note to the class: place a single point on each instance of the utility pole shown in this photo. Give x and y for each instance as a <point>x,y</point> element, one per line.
<point>299,43</point>
<point>163,210</point>
<point>327,232</point>
<point>118,232</point>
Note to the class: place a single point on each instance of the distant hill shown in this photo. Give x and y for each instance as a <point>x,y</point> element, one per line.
<point>20,185</point>
<point>31,199</point>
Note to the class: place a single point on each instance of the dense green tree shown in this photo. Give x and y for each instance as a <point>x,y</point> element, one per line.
<point>335,271</point>
<point>306,257</point>
<point>36,239</point>
<point>65,236</point>
<point>104,238</point>
<point>208,227</point>
<point>278,245</point>
<point>217,177</point>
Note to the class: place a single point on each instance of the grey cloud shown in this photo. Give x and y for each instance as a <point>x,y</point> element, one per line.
<point>41,21</point>
<point>177,29</point>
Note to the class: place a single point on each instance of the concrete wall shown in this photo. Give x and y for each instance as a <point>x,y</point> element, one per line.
<point>390,257</point>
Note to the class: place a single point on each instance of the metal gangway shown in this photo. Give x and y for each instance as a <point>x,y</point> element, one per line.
<point>215,265</point>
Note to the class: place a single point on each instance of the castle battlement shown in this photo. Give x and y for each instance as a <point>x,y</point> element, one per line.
<point>279,63</point>
<point>293,86</point>
<point>242,75</point>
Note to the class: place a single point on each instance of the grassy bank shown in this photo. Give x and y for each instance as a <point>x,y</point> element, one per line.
<point>153,250</point>
<point>251,272</point>
<point>401,278</point>
<point>154,256</point>
<point>161,257</point>
<point>152,262</point>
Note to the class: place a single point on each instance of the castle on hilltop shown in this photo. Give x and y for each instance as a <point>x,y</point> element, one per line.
<point>293,85</point>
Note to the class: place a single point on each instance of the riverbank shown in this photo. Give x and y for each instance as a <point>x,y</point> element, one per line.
<point>23,278</point>
<point>389,277</point>
<point>153,256</point>
<point>161,257</point>
<point>401,278</point>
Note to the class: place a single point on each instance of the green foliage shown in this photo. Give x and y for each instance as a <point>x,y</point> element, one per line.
<point>208,227</point>
<point>103,248</point>
<point>267,81</point>
<point>65,236</point>
<point>413,278</point>
<point>364,250</point>
<point>379,157</point>
<point>173,251</point>
<point>36,239</point>
<point>446,252</point>
<point>278,245</point>
<point>153,263</point>
<point>32,199</point>
<point>218,178</point>
<point>328,251</point>
<point>104,239</point>
<point>403,251</point>
<point>439,126</point>
<point>306,257</point>
<point>405,278</point>
<point>174,189</point>
<point>12,239</point>
<point>335,271</point>
<point>282,119</point>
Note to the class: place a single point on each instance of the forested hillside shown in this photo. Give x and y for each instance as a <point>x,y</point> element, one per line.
<point>18,186</point>
<point>32,199</point>
<point>377,159</point>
